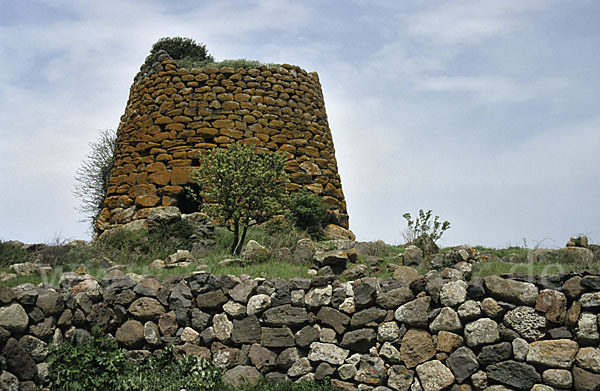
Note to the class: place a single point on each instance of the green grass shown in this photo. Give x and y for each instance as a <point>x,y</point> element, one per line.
<point>135,251</point>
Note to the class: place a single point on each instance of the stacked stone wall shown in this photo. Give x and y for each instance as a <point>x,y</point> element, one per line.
<point>435,333</point>
<point>174,114</point>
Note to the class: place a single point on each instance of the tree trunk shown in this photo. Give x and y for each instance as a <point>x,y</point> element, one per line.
<point>236,234</point>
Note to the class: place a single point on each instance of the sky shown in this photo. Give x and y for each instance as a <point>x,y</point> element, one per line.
<point>485,112</point>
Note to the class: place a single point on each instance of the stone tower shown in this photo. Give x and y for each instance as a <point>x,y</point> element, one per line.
<point>174,114</point>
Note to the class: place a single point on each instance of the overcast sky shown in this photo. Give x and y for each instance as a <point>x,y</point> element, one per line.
<point>486,112</point>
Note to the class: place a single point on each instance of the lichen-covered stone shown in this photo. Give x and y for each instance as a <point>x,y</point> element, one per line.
<point>14,318</point>
<point>453,293</point>
<point>588,358</point>
<point>414,313</point>
<point>371,370</point>
<point>481,331</point>
<point>559,353</point>
<point>434,376</point>
<point>327,352</point>
<point>560,378</point>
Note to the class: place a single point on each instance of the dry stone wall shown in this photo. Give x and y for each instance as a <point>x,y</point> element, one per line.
<point>436,332</point>
<point>175,114</point>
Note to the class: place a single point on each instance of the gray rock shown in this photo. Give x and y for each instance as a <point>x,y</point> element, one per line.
<point>453,293</point>
<point>211,300</point>
<point>347,371</point>
<point>492,354</point>
<point>199,319</point>
<point>18,361</point>
<point>481,331</point>
<point>43,330</point>
<point>307,335</point>
<point>300,368</point>
<point>560,378</point>
<point>287,358</point>
<point>527,322</point>
<point>235,310</point>
<point>181,296</point>
<point>14,318</point>
<point>414,313</point>
<point>558,353</point>
<point>371,370</point>
<point>6,295</point>
<point>588,358</point>
<point>520,293</point>
<point>463,363</point>
<point>390,353</point>
<point>328,335</point>
<point>8,381</point>
<point>258,304</point>
<point>394,298</point>
<point>240,375</point>
<point>447,320</point>
<point>364,295</point>
<point>36,348</point>
<point>305,250</point>
<point>469,310</point>
<point>334,318</point>
<point>368,316</point>
<point>359,340</point>
<point>254,251</point>
<point>50,302</point>
<point>331,258</point>
<point>285,315</point>
<point>243,291</point>
<point>327,352</point>
<point>224,356</point>
<point>246,330</point>
<point>263,359</point>
<point>222,327</point>
<point>514,374</point>
<point>586,331</point>
<point>152,333</point>
<point>479,380</point>
<point>412,256</point>
<point>355,272</point>
<point>399,377</point>
<point>434,376</point>
<point>520,349</point>
<point>323,370</point>
<point>318,297</point>
<point>162,215</point>
<point>388,331</point>
<point>277,337</point>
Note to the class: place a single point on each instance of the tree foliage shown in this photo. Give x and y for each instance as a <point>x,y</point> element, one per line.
<point>308,211</point>
<point>240,187</point>
<point>93,175</point>
<point>179,48</point>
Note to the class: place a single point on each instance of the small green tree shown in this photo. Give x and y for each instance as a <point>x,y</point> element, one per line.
<point>94,174</point>
<point>422,225</point>
<point>179,48</point>
<point>240,187</point>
